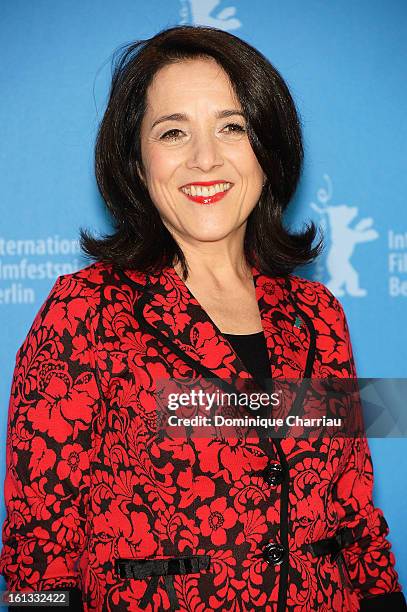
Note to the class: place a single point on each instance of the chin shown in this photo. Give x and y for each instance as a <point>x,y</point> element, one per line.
<point>210,235</point>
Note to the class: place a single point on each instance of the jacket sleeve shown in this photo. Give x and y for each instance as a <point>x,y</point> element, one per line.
<point>53,403</point>
<point>368,561</point>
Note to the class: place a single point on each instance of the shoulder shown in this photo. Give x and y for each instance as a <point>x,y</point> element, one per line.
<point>80,287</point>
<point>94,274</point>
<point>81,295</point>
<point>302,285</point>
<point>84,286</point>
<point>329,322</point>
<point>101,274</point>
<point>72,301</point>
<point>315,294</point>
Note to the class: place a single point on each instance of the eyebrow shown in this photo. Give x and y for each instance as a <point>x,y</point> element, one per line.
<point>183,117</point>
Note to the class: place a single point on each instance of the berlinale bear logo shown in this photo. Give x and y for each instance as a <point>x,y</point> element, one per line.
<point>343,276</point>
<point>200,12</point>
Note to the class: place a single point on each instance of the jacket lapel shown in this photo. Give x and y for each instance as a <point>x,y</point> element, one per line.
<point>168,310</point>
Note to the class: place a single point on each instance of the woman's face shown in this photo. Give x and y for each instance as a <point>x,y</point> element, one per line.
<point>198,145</point>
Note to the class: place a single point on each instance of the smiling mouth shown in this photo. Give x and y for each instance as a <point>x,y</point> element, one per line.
<point>206,194</point>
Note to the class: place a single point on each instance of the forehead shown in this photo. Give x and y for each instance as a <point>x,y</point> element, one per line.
<point>189,79</point>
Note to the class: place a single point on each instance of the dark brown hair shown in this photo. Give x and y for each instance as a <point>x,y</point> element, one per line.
<point>140,240</point>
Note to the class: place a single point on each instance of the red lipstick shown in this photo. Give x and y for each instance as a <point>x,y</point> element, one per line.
<point>206,199</point>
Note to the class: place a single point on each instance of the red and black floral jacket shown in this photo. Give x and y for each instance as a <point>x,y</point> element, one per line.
<point>97,501</point>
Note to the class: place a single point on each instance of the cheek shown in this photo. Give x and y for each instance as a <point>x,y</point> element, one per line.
<point>246,162</point>
<point>160,165</point>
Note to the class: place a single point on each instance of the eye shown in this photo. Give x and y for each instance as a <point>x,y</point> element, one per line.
<point>237,128</point>
<point>168,136</point>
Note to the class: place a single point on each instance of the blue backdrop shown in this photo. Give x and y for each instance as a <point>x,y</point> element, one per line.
<point>345,65</point>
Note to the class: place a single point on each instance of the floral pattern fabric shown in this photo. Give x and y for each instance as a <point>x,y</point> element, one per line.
<point>89,482</point>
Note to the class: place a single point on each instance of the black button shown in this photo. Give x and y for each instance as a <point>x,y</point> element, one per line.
<point>273,553</point>
<point>273,474</point>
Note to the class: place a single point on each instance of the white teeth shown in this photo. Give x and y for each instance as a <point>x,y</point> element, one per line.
<point>199,190</point>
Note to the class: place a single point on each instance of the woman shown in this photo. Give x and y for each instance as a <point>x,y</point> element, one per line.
<point>197,157</point>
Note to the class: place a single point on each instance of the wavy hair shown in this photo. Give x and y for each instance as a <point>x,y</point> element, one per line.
<point>140,239</point>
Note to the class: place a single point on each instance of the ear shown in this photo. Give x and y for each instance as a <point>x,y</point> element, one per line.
<point>140,173</point>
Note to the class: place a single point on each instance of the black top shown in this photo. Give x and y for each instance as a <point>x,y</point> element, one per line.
<point>252,350</point>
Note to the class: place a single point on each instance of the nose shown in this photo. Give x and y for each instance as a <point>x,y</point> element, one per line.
<point>204,152</point>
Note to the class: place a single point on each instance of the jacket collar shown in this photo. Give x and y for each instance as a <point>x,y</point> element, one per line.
<point>166,308</point>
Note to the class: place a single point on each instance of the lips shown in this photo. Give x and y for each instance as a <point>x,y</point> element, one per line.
<point>206,199</point>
